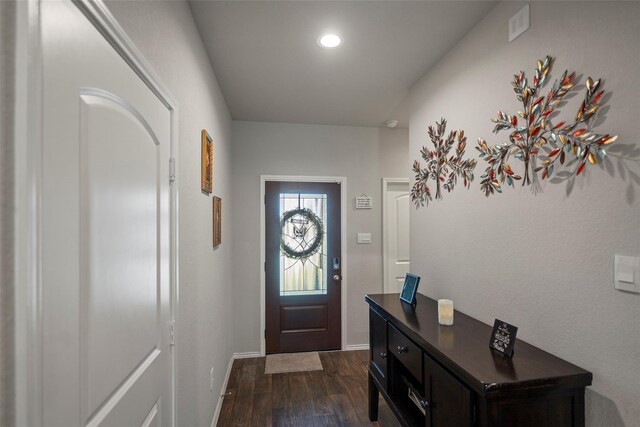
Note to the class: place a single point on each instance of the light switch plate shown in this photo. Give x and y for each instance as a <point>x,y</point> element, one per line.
<point>519,23</point>
<point>626,273</point>
<point>364,238</point>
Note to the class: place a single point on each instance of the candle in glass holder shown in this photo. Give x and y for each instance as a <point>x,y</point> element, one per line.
<point>445,312</point>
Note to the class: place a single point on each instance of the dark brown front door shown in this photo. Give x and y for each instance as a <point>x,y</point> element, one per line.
<point>303,266</point>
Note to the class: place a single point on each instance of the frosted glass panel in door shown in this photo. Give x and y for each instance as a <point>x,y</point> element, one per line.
<point>303,244</point>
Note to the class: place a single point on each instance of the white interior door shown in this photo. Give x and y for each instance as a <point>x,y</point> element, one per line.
<point>396,226</point>
<point>105,233</point>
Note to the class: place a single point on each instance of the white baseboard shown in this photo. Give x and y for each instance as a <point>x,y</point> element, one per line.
<point>216,414</point>
<point>235,356</point>
<point>357,347</point>
<point>246,355</point>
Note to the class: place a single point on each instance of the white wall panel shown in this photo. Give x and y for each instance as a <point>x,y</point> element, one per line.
<point>363,155</point>
<point>165,32</point>
<point>543,263</point>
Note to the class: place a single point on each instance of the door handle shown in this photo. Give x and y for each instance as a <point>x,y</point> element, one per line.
<point>402,349</point>
<point>336,277</point>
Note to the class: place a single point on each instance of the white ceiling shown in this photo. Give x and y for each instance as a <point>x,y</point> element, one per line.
<point>271,69</point>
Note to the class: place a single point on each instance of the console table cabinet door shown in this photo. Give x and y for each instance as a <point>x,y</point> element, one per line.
<point>378,340</point>
<point>448,403</point>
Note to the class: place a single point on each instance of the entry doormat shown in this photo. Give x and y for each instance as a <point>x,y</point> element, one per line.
<point>292,362</point>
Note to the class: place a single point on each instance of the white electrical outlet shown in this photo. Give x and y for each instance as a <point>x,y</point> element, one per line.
<point>211,380</point>
<point>519,23</point>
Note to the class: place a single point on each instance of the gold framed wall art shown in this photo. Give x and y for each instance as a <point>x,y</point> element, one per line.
<point>217,221</point>
<point>206,163</point>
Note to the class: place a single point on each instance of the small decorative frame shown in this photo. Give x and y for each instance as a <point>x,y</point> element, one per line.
<point>409,288</point>
<point>503,337</point>
<point>206,163</point>
<point>217,221</point>
<point>363,202</point>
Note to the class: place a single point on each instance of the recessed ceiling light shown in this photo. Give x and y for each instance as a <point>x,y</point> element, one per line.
<point>391,124</point>
<point>329,41</point>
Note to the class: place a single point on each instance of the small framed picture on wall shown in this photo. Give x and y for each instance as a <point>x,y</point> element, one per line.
<point>217,221</point>
<point>206,166</point>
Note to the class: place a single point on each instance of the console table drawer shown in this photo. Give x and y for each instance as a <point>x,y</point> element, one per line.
<point>406,352</point>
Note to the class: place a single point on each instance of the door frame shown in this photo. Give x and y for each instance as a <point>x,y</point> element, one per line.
<point>343,248</point>
<point>28,309</point>
<point>385,228</point>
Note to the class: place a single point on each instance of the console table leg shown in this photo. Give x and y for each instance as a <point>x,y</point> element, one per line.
<point>373,400</point>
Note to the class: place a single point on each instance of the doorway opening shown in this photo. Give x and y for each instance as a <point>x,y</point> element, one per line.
<point>303,260</point>
<point>396,203</point>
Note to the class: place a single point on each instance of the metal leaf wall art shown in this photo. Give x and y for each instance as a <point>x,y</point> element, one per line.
<point>441,167</point>
<point>534,136</point>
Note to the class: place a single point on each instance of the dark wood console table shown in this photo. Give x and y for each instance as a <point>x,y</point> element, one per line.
<point>457,380</point>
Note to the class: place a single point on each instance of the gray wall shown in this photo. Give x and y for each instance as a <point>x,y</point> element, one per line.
<point>543,263</point>
<point>165,33</point>
<point>363,155</point>
<point>7,211</point>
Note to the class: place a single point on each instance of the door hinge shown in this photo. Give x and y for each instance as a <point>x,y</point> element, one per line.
<point>172,169</point>
<point>265,199</point>
<point>265,266</point>
<point>172,333</point>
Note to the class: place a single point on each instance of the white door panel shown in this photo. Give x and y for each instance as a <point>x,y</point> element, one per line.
<point>119,227</point>
<point>401,212</point>
<point>106,358</point>
<point>152,419</point>
<point>396,217</point>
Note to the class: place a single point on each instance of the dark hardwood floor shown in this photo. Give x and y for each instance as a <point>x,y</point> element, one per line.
<point>335,396</point>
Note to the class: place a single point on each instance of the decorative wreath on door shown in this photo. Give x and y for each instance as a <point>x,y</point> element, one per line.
<point>307,233</point>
